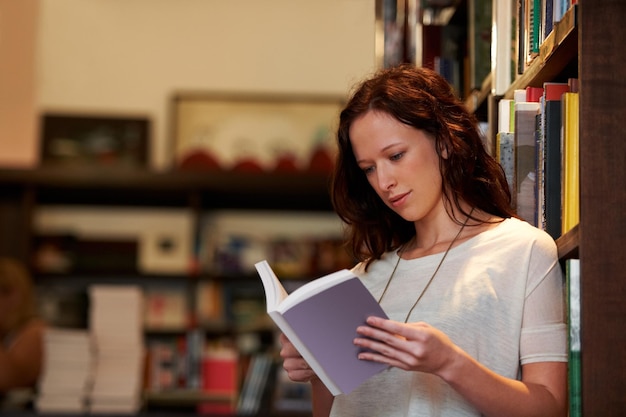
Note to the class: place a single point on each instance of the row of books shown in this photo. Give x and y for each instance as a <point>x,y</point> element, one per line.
<point>228,382</point>
<point>537,146</point>
<point>519,28</point>
<point>503,39</point>
<point>300,245</point>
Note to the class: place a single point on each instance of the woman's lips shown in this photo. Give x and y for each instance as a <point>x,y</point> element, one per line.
<point>398,200</point>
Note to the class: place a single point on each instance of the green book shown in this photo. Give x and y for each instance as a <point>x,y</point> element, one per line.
<point>572,276</point>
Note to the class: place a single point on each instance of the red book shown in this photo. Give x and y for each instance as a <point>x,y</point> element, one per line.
<point>219,372</point>
<point>554,91</point>
<point>533,94</point>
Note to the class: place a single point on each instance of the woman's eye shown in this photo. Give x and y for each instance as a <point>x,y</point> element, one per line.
<point>396,156</point>
<point>368,170</point>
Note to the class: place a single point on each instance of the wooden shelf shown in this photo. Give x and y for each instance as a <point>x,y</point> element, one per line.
<point>213,189</point>
<point>184,397</point>
<point>568,244</point>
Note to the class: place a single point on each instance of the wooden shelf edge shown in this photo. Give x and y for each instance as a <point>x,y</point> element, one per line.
<point>183,396</point>
<point>568,244</point>
<point>58,177</point>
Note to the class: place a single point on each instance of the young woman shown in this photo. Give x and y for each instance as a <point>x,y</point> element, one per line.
<point>21,331</point>
<point>474,295</point>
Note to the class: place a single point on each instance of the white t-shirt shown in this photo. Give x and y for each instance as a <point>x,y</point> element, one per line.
<point>498,296</point>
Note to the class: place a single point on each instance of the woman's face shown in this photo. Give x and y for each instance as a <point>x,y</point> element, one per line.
<point>400,164</point>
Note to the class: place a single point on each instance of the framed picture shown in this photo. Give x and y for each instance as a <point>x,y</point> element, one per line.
<point>94,140</point>
<point>254,132</point>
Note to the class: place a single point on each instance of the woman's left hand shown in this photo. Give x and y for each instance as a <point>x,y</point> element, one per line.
<point>409,346</point>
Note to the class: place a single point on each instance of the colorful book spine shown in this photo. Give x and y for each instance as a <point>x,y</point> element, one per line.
<point>570,171</point>
<point>552,156</point>
<point>505,154</point>
<point>526,156</point>
<point>573,288</point>
<point>505,143</point>
<point>534,28</point>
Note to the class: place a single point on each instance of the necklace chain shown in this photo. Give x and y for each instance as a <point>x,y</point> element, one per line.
<point>406,319</point>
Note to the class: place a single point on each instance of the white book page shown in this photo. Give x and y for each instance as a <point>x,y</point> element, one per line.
<point>274,290</point>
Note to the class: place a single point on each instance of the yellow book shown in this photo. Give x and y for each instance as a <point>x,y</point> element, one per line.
<point>570,170</point>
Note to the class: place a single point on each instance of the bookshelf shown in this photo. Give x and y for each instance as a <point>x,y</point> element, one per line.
<point>583,46</point>
<point>25,191</point>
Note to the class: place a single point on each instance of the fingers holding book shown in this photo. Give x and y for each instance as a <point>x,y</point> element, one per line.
<point>295,365</point>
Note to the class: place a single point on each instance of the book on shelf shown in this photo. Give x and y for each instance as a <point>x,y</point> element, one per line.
<point>552,154</point>
<point>162,366</point>
<point>505,154</point>
<point>572,278</point>
<point>533,34</point>
<point>539,172</point>
<point>560,7</point>
<point>220,378</point>
<point>209,303</point>
<point>320,318</point>
<point>253,388</point>
<point>570,170</point>
<point>547,17</point>
<point>525,159</point>
<point>165,308</point>
<point>521,29</point>
<point>505,142</point>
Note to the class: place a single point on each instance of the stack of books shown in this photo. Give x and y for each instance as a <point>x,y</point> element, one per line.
<point>116,318</point>
<point>67,372</point>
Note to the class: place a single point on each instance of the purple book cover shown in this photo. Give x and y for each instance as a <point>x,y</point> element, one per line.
<point>326,323</point>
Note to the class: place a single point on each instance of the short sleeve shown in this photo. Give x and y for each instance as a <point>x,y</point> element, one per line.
<point>544,332</point>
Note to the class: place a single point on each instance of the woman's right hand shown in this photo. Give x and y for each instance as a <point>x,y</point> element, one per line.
<point>295,365</point>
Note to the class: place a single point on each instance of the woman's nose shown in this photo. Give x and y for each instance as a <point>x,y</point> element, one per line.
<point>386,179</point>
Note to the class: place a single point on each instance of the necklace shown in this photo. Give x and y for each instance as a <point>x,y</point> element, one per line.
<point>432,276</point>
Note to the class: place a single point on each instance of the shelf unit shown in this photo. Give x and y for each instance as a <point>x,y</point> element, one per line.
<point>585,44</point>
<point>23,191</point>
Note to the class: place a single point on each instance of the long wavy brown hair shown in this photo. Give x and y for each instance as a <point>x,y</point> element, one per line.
<point>423,99</point>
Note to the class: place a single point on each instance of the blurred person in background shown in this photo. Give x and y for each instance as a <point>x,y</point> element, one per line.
<point>21,329</point>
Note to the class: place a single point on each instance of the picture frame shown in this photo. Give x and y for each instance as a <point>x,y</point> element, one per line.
<point>254,132</point>
<point>101,140</point>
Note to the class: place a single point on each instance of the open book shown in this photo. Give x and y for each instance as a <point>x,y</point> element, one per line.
<point>320,319</point>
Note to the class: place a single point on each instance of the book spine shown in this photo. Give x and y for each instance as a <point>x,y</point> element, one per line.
<point>506,157</point>
<point>534,30</point>
<point>572,277</point>
<point>521,36</point>
<point>540,218</point>
<point>525,160</point>
<point>553,152</point>
<point>570,179</point>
